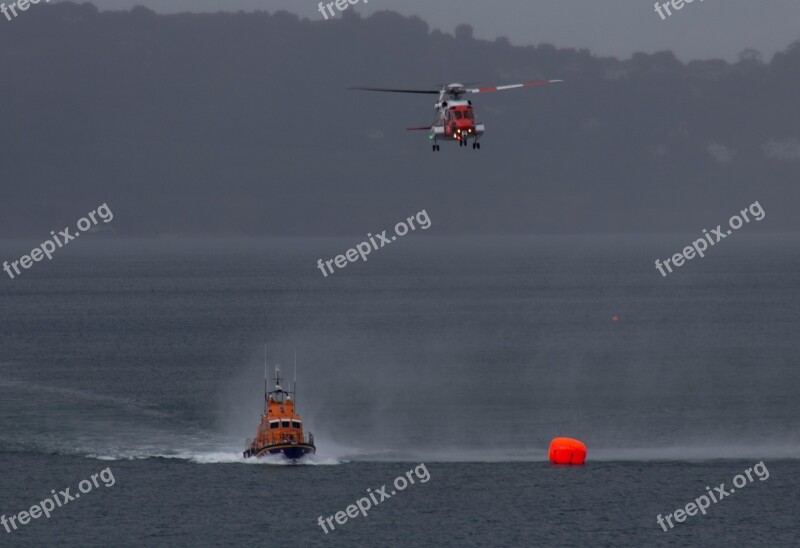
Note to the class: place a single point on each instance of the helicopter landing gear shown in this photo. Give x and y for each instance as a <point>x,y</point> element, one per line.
<point>476,145</point>
<point>435,148</point>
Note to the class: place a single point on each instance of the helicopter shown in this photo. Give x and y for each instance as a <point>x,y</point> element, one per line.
<point>455,118</point>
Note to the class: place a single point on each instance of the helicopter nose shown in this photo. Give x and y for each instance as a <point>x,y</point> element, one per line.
<point>465,129</point>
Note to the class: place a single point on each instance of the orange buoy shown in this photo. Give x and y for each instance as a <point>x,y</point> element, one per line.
<point>567,451</point>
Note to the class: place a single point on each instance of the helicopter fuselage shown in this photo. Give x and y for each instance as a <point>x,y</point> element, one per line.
<point>456,122</point>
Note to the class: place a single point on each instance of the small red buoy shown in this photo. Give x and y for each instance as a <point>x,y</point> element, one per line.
<point>614,318</point>
<point>567,451</point>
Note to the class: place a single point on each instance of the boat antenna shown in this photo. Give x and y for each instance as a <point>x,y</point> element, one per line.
<point>294,387</point>
<point>265,372</point>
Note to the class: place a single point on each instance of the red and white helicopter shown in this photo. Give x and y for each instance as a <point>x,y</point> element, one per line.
<point>455,117</point>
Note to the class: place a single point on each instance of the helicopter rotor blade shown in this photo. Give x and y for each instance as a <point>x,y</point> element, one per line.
<point>511,86</point>
<point>426,91</point>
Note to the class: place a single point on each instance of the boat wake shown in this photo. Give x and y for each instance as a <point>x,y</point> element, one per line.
<point>211,450</point>
<point>222,457</point>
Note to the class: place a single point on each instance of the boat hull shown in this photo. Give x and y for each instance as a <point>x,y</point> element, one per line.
<point>292,451</point>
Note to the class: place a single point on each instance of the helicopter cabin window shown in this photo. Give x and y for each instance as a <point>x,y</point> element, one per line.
<point>274,424</point>
<point>285,424</point>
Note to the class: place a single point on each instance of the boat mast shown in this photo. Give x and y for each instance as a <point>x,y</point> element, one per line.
<point>265,376</point>
<point>294,386</point>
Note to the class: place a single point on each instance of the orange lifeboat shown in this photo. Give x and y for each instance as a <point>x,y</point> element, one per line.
<point>281,429</point>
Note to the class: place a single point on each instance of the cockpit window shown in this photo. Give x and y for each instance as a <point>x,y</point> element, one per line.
<point>285,424</point>
<point>457,114</point>
<point>274,425</point>
<point>468,114</point>
<point>295,424</point>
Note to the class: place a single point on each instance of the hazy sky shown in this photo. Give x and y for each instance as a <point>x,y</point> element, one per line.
<point>703,29</point>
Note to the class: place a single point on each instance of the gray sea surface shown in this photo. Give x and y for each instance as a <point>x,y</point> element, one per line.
<point>466,354</point>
